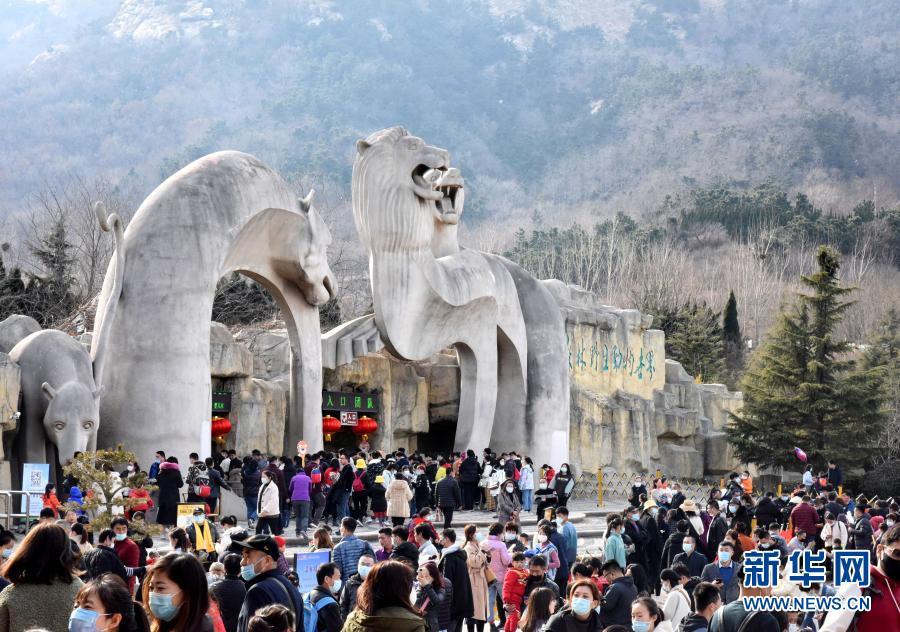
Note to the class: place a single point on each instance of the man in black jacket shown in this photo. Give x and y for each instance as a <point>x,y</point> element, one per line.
<point>344,486</point>
<point>717,528</point>
<point>469,471</point>
<point>707,600</point>
<point>328,579</point>
<point>448,498</point>
<point>537,578</point>
<point>229,593</point>
<point>403,548</point>
<point>453,568</point>
<point>351,588</point>
<point>767,511</point>
<point>267,584</point>
<point>615,607</point>
<point>103,559</point>
<point>673,545</point>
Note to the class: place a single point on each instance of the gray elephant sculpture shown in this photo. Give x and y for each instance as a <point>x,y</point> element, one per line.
<point>61,402</point>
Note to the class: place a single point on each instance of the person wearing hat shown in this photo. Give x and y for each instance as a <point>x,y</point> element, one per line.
<point>378,501</point>
<point>359,496</point>
<point>203,536</point>
<point>266,585</point>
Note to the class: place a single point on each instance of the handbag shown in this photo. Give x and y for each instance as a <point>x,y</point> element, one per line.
<point>203,491</point>
<point>489,575</point>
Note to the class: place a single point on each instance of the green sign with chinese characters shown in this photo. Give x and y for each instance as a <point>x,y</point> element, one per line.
<point>221,402</point>
<point>358,402</point>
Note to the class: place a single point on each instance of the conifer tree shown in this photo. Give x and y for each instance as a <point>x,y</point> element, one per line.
<point>803,390</point>
<point>694,338</point>
<point>52,292</point>
<point>734,344</point>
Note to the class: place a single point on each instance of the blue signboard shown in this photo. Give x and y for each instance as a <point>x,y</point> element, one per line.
<point>306,564</point>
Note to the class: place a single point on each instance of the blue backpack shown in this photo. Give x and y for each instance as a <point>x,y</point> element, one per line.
<point>311,611</point>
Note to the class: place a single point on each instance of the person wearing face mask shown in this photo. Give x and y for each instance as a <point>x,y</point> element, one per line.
<point>732,617</point>
<point>351,587</point>
<point>508,505</point>
<point>563,483</point>
<point>453,567</point>
<point>125,547</point>
<point>265,583</point>
<point>176,595</point>
<point>707,601</point>
<point>430,594</point>
<point>170,482</point>
<point>716,528</point>
<point>724,573</point>
<point>833,530</point>
<point>105,604</point>
<point>511,538</point>
<point>544,498</point>
<point>783,503</point>
<point>614,548</point>
<point>7,542</point>
<point>323,599</point>
<point>477,565</point>
<point>203,536</point>
<point>229,593</point>
<point>579,615</point>
<point>655,541</point>
<point>737,512</point>
<point>646,616</point>
<point>268,505</point>
<point>689,556</point>
<point>678,603</point>
<point>884,590</point>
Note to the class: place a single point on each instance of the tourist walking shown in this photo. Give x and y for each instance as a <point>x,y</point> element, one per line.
<point>383,602</point>
<point>448,498</point>
<point>563,484</point>
<point>455,570</point>
<point>477,564</point>
<point>268,505</point>
<point>398,496</point>
<point>508,505</point>
<point>300,489</point>
<point>250,481</point>
<point>170,482</point>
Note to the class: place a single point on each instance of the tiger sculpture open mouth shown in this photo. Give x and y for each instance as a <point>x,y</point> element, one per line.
<point>442,185</point>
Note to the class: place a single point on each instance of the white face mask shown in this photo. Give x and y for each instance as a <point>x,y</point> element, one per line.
<point>542,538</point>
<point>509,489</point>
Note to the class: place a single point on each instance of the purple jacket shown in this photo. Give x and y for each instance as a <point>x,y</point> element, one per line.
<point>300,486</point>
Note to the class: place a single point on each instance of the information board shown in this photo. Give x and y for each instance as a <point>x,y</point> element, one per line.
<point>35,477</point>
<point>306,564</point>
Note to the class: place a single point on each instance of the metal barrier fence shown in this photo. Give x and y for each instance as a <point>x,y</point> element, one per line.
<point>602,486</point>
<point>8,513</point>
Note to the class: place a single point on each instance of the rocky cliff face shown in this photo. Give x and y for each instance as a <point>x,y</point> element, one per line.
<point>632,410</point>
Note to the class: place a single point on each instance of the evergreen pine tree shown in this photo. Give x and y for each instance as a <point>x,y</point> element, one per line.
<point>802,390</point>
<point>884,354</point>
<point>734,344</point>
<point>52,293</point>
<point>694,339</point>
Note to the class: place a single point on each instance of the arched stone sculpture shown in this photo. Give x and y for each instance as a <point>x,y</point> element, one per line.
<point>429,294</point>
<point>226,212</point>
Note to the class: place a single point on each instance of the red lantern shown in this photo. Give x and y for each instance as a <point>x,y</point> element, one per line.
<point>365,426</point>
<point>220,427</point>
<point>330,425</point>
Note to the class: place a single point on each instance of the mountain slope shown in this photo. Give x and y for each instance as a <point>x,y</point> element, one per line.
<point>566,106</point>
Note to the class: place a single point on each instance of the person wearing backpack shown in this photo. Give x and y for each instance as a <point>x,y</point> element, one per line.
<point>321,612</point>
<point>359,496</point>
<point>198,480</point>
<point>347,552</point>
<point>317,496</point>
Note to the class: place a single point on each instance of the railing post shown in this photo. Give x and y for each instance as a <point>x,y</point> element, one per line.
<point>840,490</point>
<point>599,487</point>
<point>779,489</point>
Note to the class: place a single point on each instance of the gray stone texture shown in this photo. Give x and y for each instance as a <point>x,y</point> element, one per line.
<point>226,212</point>
<point>14,328</point>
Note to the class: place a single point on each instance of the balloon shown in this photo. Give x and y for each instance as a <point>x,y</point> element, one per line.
<point>800,454</point>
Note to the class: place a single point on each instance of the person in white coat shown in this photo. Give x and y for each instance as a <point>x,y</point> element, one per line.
<point>677,603</point>
<point>526,483</point>
<point>268,506</point>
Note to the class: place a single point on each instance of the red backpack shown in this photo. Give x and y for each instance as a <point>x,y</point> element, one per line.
<point>315,475</point>
<point>516,474</point>
<point>358,485</point>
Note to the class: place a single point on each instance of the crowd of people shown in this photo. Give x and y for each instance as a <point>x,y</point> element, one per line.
<point>667,564</point>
